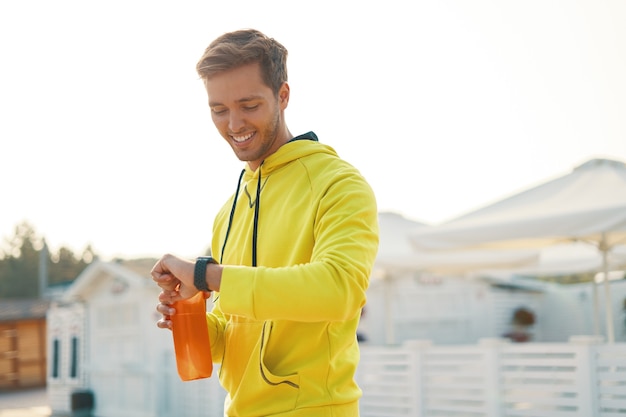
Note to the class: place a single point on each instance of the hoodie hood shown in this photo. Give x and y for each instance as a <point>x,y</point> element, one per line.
<point>298,147</point>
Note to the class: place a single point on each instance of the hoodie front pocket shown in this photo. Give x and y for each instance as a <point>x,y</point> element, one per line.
<point>268,376</point>
<point>242,341</point>
<point>254,389</point>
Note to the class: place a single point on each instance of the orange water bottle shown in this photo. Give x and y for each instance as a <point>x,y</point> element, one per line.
<point>191,338</point>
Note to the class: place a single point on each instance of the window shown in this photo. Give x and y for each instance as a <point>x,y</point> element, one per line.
<point>55,358</point>
<point>74,358</point>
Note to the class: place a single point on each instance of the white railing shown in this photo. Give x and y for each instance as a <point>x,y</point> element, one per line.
<point>494,379</point>
<point>582,378</point>
<point>609,363</point>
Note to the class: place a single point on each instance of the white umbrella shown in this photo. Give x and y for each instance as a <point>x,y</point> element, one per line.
<point>461,261</point>
<point>588,205</point>
<point>397,253</point>
<point>572,258</point>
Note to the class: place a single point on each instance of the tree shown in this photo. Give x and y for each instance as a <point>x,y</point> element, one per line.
<point>65,266</point>
<point>21,262</point>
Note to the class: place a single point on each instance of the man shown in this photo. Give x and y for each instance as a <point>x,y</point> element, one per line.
<point>294,248</point>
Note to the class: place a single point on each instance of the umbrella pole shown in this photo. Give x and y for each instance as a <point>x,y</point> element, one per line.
<point>610,333</point>
<point>596,308</point>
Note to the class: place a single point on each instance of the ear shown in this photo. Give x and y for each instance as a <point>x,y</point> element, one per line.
<point>283,96</point>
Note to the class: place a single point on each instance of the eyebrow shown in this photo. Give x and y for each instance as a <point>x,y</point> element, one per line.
<point>241,100</point>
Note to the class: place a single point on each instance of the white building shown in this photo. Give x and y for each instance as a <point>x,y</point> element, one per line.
<point>103,341</point>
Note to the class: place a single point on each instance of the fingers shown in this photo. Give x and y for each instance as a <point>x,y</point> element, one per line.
<point>160,271</point>
<point>165,273</point>
<point>166,281</point>
<point>164,324</point>
<point>165,309</point>
<point>167,297</point>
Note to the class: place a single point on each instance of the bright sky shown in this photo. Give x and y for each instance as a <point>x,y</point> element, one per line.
<point>444,106</point>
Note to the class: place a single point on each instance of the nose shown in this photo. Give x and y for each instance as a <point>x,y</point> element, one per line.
<point>235,121</point>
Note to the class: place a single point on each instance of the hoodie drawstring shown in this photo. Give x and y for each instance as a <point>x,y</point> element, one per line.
<point>257,204</point>
<point>306,136</point>
<point>256,217</point>
<point>232,214</point>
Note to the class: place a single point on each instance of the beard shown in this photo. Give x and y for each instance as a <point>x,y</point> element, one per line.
<point>265,142</point>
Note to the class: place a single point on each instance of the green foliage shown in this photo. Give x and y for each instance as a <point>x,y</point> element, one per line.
<point>25,256</point>
<point>65,266</point>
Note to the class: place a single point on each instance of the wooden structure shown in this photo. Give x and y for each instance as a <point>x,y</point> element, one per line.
<point>22,343</point>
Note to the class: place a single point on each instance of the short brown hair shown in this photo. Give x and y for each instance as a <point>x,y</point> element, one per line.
<point>242,47</point>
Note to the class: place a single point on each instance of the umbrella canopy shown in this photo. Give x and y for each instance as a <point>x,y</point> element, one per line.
<point>396,252</point>
<point>571,258</point>
<point>394,234</point>
<point>588,205</point>
<point>460,262</point>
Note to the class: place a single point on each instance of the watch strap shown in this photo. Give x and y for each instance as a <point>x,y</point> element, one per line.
<point>199,272</point>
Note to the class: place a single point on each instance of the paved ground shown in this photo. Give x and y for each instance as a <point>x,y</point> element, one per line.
<point>27,403</point>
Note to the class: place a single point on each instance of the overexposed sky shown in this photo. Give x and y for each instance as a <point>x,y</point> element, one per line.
<point>444,106</point>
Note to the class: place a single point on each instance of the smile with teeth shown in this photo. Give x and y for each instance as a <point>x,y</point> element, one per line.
<point>240,139</point>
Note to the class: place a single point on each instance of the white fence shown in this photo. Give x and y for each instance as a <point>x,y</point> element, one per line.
<point>494,379</point>
<point>491,379</point>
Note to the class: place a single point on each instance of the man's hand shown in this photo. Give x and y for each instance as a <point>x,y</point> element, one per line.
<point>175,277</point>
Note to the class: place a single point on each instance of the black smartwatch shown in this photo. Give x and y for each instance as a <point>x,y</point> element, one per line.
<point>199,272</point>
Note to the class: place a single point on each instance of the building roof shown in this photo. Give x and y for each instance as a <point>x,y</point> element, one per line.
<point>12,310</point>
<point>125,273</point>
<point>140,266</point>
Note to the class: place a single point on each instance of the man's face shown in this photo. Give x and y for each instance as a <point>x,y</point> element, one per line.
<point>247,114</point>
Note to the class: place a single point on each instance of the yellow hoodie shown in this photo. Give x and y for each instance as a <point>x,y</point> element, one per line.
<point>284,324</point>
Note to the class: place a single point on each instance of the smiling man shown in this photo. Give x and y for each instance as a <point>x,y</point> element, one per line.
<point>294,247</point>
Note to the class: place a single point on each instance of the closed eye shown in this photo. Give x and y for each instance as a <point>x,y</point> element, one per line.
<point>251,107</point>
